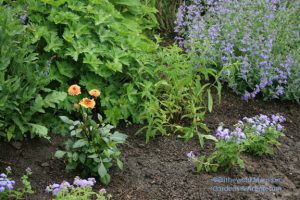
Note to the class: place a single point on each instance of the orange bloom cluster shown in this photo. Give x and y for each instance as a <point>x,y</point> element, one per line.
<point>74,90</point>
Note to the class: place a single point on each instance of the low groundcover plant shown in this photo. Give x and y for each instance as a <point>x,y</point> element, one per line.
<point>81,189</point>
<point>7,185</point>
<point>91,147</point>
<point>256,135</point>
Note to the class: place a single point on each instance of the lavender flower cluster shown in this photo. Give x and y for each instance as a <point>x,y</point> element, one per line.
<point>78,182</point>
<point>248,32</point>
<point>5,183</point>
<point>255,125</point>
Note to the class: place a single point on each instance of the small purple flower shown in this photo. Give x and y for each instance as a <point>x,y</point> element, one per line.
<point>279,127</point>
<point>191,155</point>
<point>23,17</point>
<point>227,138</point>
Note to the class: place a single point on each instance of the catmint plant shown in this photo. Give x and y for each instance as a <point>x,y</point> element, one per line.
<point>257,41</point>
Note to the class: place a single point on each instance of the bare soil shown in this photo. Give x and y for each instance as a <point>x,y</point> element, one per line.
<point>160,170</point>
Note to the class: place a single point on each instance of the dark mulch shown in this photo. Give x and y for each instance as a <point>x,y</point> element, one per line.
<point>160,170</point>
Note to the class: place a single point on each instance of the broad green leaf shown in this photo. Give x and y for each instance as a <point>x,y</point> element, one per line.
<point>102,170</point>
<point>59,154</point>
<point>118,137</point>
<point>80,143</point>
<point>66,120</point>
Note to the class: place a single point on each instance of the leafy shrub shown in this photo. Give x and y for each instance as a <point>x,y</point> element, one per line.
<point>256,135</point>
<point>91,147</point>
<point>102,43</point>
<point>95,43</point>
<point>80,190</point>
<point>24,94</point>
<point>175,99</point>
<point>262,36</point>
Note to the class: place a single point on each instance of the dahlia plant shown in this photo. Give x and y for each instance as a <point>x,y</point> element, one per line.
<point>91,147</point>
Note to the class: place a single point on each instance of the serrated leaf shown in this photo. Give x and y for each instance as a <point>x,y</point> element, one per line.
<point>92,60</point>
<point>54,98</point>
<point>65,69</point>
<point>39,130</point>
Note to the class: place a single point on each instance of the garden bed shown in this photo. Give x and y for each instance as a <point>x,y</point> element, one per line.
<point>161,170</point>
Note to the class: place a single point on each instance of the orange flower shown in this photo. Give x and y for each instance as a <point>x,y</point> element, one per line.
<point>88,103</point>
<point>74,90</point>
<point>95,93</point>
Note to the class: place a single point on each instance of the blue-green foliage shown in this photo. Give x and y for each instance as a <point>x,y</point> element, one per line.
<point>23,92</point>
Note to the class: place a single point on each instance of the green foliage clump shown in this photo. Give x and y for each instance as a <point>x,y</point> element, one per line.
<point>102,44</point>
<point>96,43</point>
<point>257,135</point>
<point>176,98</point>
<point>226,155</point>
<point>23,87</point>
<point>92,147</point>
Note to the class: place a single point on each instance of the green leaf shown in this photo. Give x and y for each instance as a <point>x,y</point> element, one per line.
<point>210,137</point>
<point>118,137</point>
<point>92,60</point>
<point>128,2</point>
<point>80,143</point>
<point>120,164</point>
<point>40,130</point>
<point>210,100</point>
<point>102,170</point>
<point>66,120</point>
<point>54,98</point>
<point>59,154</point>
<point>10,133</point>
<point>105,179</point>
<point>82,158</point>
<point>55,3</point>
<point>65,69</point>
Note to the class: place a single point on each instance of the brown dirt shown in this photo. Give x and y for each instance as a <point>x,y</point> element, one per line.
<point>160,170</point>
